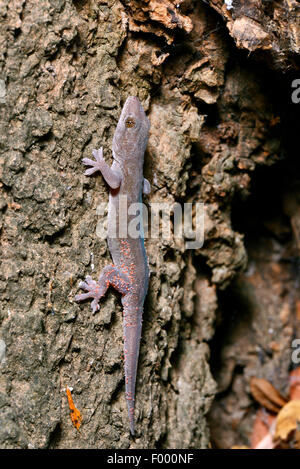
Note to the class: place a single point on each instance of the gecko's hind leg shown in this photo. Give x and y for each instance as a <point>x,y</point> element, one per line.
<point>110,275</point>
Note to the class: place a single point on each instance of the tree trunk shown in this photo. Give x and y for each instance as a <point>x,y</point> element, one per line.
<point>216,80</point>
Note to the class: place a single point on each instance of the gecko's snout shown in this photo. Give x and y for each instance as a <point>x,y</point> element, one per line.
<point>132,101</point>
<point>133,107</point>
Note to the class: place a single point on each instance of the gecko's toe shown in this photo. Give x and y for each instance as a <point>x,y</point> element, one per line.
<point>89,281</point>
<point>88,285</point>
<point>95,305</point>
<point>82,296</point>
<point>95,164</point>
<point>88,162</point>
<point>90,171</point>
<point>98,154</point>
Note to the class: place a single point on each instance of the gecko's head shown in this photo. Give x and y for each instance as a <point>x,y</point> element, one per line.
<point>131,135</point>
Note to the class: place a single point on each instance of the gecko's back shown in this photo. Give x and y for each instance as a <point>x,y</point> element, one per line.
<point>128,253</point>
<point>129,273</point>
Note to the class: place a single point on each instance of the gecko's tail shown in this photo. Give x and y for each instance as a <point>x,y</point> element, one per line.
<point>132,336</point>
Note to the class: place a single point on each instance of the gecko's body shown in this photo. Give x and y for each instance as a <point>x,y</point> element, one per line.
<point>129,272</point>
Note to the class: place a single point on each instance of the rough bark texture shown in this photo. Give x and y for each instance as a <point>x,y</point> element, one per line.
<point>209,75</point>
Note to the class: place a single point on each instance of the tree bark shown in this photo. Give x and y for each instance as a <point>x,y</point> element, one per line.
<point>209,75</point>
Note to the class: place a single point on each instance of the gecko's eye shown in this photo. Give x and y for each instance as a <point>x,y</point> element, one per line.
<point>130,122</point>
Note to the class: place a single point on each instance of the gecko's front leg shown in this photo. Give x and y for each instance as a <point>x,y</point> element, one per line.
<point>110,275</point>
<point>112,177</point>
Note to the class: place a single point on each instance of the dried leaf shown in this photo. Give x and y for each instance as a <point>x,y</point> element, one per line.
<point>74,413</point>
<point>265,393</point>
<point>287,432</point>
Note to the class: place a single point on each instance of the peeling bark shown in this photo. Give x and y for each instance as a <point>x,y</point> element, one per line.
<point>208,76</point>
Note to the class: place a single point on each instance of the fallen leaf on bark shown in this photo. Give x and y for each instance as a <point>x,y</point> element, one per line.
<point>281,431</point>
<point>75,414</point>
<point>287,432</point>
<point>264,393</point>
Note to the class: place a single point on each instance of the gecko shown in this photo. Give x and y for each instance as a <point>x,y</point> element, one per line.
<point>129,272</point>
